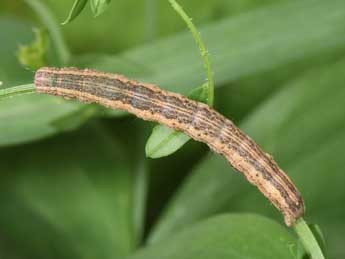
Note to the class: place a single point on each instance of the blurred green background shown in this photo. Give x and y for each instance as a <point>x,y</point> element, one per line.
<point>75,182</point>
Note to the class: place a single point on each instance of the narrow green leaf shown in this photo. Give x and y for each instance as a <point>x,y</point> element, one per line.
<point>308,239</point>
<point>319,236</point>
<point>235,236</point>
<point>34,55</point>
<point>99,6</point>
<point>77,8</point>
<point>164,141</point>
<point>17,90</point>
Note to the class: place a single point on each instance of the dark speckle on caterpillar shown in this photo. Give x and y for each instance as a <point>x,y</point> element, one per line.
<point>196,119</point>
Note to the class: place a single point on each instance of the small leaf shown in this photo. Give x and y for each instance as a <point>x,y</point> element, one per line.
<point>77,7</point>
<point>34,55</point>
<point>164,141</point>
<point>200,93</point>
<point>99,6</point>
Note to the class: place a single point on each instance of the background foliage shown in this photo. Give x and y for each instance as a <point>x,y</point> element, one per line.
<point>75,182</point>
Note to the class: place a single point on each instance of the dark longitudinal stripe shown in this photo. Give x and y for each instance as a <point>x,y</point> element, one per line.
<point>195,119</point>
<point>173,106</point>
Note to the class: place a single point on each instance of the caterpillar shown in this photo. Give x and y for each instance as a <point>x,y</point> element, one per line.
<point>196,119</point>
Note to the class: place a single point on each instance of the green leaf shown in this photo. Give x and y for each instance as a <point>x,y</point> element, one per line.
<point>76,119</point>
<point>26,118</point>
<point>308,239</point>
<point>69,197</point>
<point>77,8</point>
<point>164,141</point>
<point>17,90</point>
<point>200,93</point>
<point>240,45</point>
<point>150,20</point>
<point>302,126</point>
<point>319,236</point>
<point>227,236</point>
<point>34,56</point>
<point>99,6</point>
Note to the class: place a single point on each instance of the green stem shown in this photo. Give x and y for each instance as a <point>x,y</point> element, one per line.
<point>308,239</point>
<point>202,47</point>
<point>17,90</point>
<point>47,19</point>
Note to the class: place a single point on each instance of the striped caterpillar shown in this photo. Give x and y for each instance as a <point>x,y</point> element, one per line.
<point>196,119</point>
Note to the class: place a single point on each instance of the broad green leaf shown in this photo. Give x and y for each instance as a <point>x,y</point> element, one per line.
<point>164,141</point>
<point>74,120</point>
<point>302,126</point>
<point>34,56</point>
<point>99,6</point>
<point>77,8</point>
<point>255,42</point>
<point>69,197</point>
<point>234,51</point>
<point>227,236</point>
<point>26,118</point>
<point>150,19</point>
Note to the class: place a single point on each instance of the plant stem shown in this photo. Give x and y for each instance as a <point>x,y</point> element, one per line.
<point>48,20</point>
<point>308,239</point>
<point>17,90</point>
<point>202,47</point>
